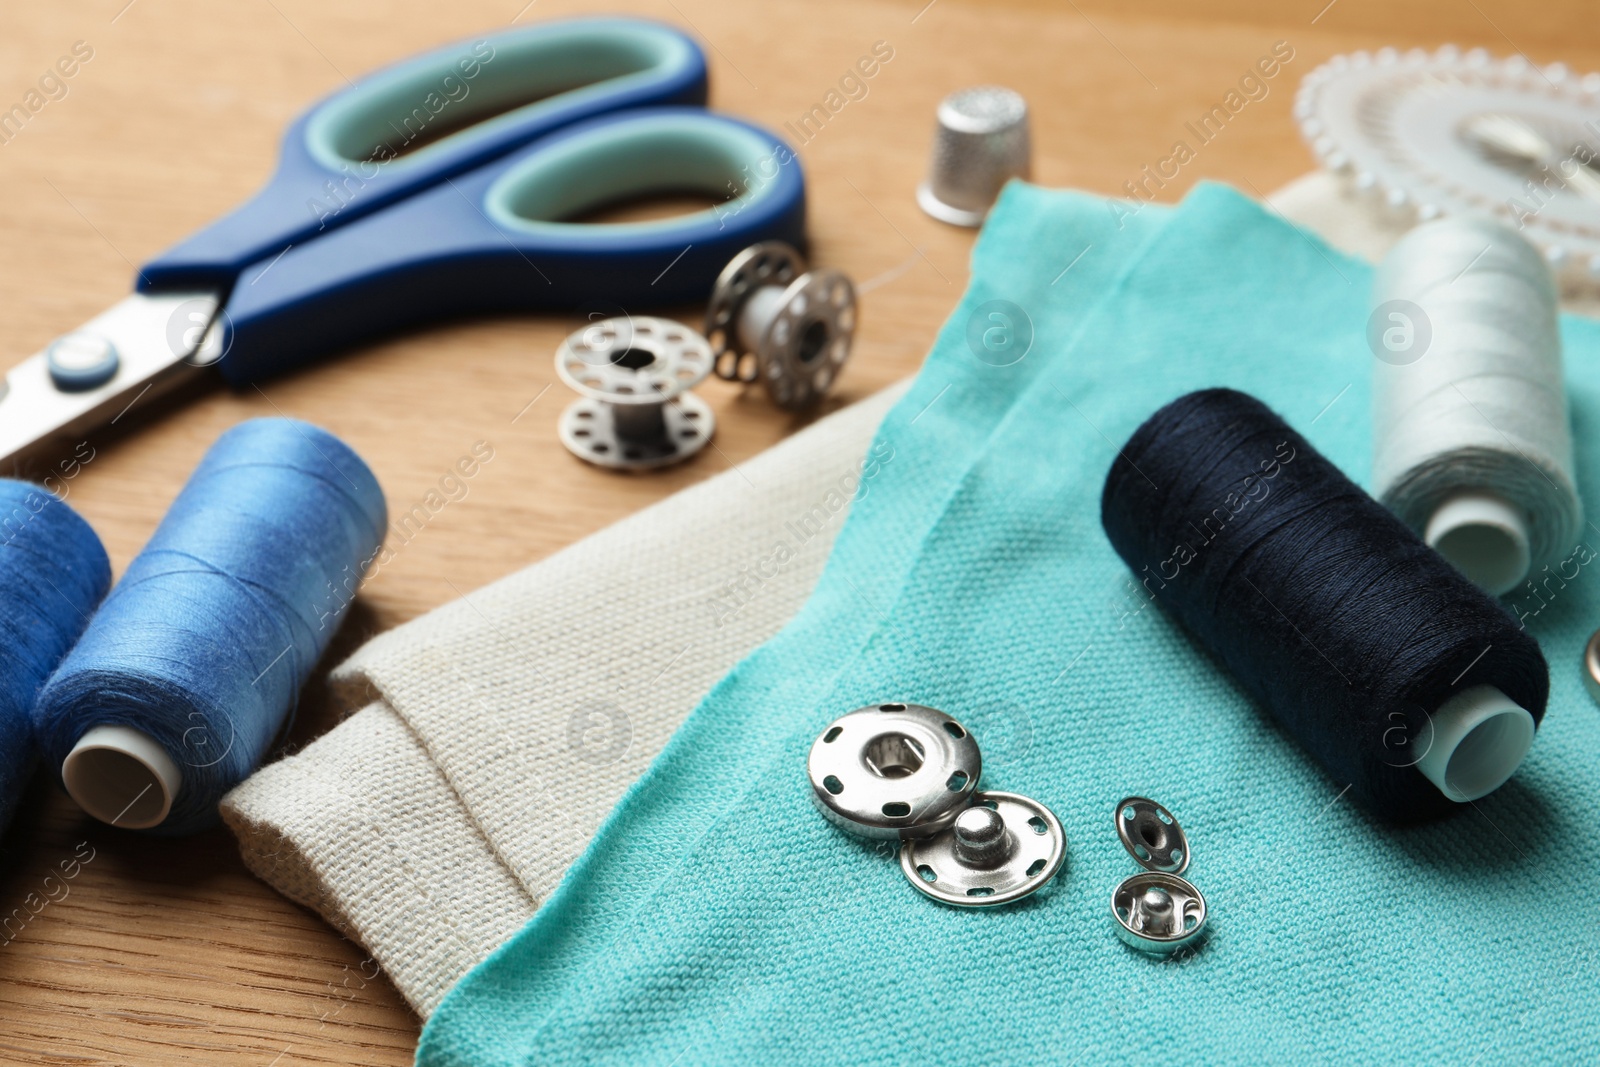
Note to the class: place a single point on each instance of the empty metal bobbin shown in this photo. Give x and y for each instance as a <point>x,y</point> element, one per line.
<point>634,373</point>
<point>894,771</point>
<point>772,320</point>
<point>1155,910</point>
<point>1002,848</point>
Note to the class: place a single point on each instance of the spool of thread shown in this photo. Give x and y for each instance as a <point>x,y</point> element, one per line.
<point>53,571</point>
<point>195,661</point>
<point>1472,443</point>
<point>1402,678</point>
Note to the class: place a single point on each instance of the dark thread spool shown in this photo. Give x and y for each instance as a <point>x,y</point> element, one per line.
<point>1326,608</point>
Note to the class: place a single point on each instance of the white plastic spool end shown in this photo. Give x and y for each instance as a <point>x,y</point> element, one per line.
<point>1485,537</point>
<point>122,777</point>
<point>1480,736</point>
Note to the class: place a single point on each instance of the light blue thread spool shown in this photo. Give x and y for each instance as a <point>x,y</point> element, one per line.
<point>195,661</point>
<point>53,571</point>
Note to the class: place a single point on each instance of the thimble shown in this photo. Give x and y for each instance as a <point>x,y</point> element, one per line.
<point>982,141</point>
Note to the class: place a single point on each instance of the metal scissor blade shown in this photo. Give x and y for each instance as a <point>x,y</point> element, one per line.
<point>159,340</point>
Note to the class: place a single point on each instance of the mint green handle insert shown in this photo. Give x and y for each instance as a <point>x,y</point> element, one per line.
<point>654,154</point>
<point>471,91</point>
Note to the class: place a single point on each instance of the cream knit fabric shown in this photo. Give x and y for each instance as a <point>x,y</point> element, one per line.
<point>503,726</point>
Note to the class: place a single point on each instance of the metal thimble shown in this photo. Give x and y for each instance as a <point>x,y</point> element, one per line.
<point>982,141</point>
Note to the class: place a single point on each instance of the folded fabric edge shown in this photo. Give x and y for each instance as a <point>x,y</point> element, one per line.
<point>361,828</point>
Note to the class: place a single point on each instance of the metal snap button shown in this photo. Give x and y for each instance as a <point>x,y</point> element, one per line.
<point>894,771</point>
<point>1002,848</point>
<point>1155,910</point>
<point>1158,913</point>
<point>1152,836</point>
<point>1591,666</point>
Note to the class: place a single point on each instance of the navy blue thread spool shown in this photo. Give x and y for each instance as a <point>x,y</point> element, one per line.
<point>1401,677</point>
<point>53,571</point>
<point>195,661</point>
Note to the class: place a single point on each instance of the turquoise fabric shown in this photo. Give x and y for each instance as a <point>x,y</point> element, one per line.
<point>718,918</point>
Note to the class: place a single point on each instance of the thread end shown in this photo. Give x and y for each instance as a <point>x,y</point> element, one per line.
<point>1480,737</point>
<point>1485,537</point>
<point>122,777</point>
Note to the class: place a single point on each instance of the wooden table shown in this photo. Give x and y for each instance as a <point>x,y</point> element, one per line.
<point>170,952</point>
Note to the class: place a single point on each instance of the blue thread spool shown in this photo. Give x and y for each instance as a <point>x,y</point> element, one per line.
<point>53,571</point>
<point>195,661</point>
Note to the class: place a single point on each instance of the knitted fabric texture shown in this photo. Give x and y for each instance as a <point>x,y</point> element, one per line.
<point>430,824</point>
<point>716,917</point>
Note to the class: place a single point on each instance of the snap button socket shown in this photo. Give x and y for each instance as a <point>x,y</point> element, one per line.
<point>1155,910</point>
<point>894,771</point>
<point>1003,848</point>
<point>1158,913</point>
<point>910,772</point>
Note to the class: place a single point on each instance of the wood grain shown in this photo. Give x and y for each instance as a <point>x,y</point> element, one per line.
<point>169,952</point>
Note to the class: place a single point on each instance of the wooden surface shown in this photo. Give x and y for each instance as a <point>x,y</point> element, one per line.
<point>169,952</point>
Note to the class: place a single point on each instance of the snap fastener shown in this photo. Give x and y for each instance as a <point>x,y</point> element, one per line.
<point>634,375</point>
<point>1155,910</point>
<point>772,320</point>
<point>1158,913</point>
<point>894,771</point>
<point>1152,836</point>
<point>911,772</point>
<point>1002,848</point>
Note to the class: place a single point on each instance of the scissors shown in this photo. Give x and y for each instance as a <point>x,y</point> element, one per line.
<point>433,189</point>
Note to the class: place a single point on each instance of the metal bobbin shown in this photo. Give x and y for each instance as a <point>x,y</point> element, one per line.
<point>911,772</point>
<point>771,319</point>
<point>1155,910</point>
<point>634,375</point>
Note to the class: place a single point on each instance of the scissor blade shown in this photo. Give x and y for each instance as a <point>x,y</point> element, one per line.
<point>159,341</point>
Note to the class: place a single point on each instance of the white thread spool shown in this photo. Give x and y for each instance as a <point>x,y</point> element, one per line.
<point>1472,442</point>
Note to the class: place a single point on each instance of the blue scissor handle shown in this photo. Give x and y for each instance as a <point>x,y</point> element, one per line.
<point>413,124</point>
<point>492,240</point>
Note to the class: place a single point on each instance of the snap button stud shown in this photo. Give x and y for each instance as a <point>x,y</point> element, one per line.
<point>1003,848</point>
